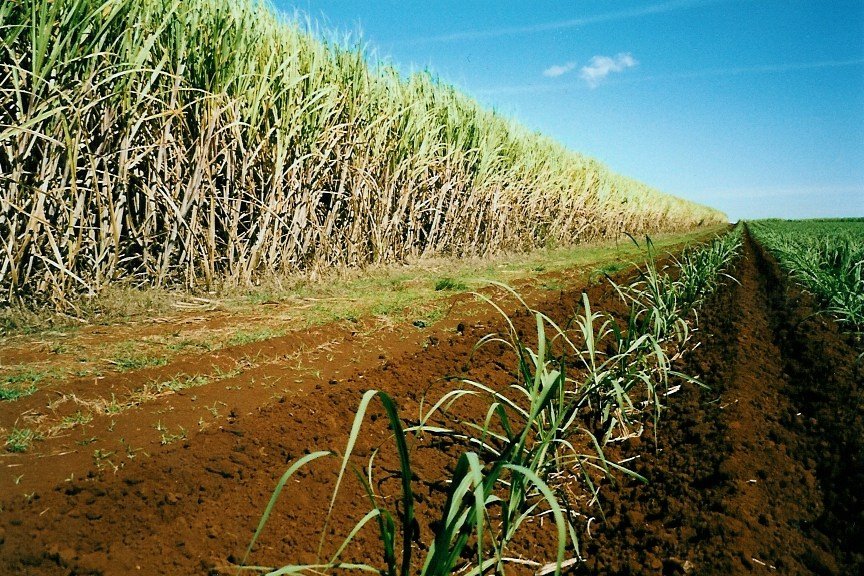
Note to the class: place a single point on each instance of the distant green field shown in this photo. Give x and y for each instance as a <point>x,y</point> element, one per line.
<point>826,257</point>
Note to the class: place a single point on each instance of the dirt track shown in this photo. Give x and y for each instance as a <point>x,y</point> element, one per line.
<point>758,472</point>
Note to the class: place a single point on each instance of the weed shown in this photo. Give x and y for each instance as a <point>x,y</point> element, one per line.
<point>214,410</point>
<point>221,374</point>
<point>58,348</point>
<point>131,453</point>
<point>137,361</point>
<point>20,384</point>
<point>166,438</point>
<point>20,439</point>
<point>179,383</point>
<point>450,284</point>
<point>102,459</point>
<point>252,336</point>
<point>114,406</point>
<point>73,420</point>
<point>87,372</point>
<point>13,392</point>
<point>605,270</point>
<point>187,343</point>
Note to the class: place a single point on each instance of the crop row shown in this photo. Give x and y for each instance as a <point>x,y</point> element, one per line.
<point>537,448</point>
<point>826,258</point>
<point>202,142</point>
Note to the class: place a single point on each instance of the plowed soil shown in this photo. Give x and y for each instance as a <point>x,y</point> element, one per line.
<point>763,471</point>
<point>760,472</point>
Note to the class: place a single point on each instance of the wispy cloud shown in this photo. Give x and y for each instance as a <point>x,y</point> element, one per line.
<point>755,69</point>
<point>693,75</point>
<point>565,24</point>
<point>559,70</point>
<point>601,66</point>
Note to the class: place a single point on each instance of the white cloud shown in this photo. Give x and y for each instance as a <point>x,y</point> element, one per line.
<point>601,66</point>
<point>559,70</point>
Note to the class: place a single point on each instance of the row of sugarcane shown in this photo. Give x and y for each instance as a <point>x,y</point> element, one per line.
<point>826,258</point>
<point>200,143</point>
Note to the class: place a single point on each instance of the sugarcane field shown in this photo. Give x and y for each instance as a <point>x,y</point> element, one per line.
<point>277,297</point>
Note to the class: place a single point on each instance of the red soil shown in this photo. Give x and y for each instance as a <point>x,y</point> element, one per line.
<point>759,473</point>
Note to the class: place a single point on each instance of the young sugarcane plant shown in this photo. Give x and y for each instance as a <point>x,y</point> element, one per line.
<point>465,519</point>
<point>536,427</point>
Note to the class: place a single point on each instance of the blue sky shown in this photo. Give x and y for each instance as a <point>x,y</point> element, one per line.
<point>753,107</point>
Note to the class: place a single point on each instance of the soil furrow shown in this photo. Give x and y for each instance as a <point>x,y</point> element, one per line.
<point>748,476</point>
